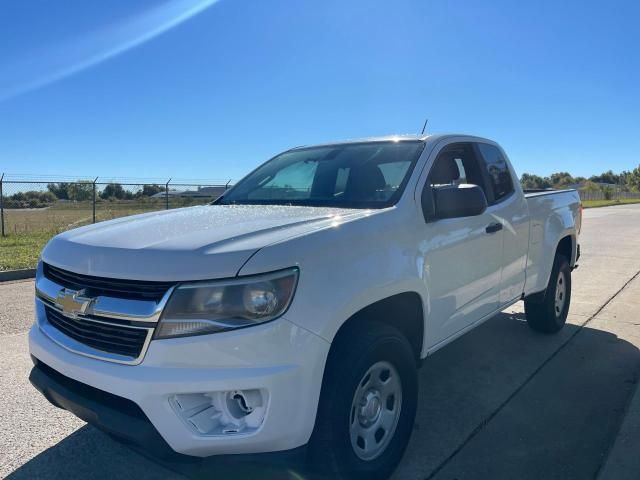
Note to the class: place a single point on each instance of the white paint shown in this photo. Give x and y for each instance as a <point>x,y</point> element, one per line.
<point>348,259</point>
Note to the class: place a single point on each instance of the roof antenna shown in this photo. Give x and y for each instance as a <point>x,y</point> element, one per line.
<point>424,126</point>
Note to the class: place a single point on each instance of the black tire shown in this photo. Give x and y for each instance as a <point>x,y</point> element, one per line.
<point>354,352</point>
<point>543,315</point>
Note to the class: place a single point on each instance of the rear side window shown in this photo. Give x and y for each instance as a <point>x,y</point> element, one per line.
<point>342,176</point>
<point>497,170</point>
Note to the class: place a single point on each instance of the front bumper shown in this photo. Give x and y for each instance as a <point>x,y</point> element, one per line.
<point>115,415</point>
<point>126,422</point>
<point>279,357</point>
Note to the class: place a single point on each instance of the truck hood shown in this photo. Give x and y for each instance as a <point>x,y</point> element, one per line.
<point>195,243</point>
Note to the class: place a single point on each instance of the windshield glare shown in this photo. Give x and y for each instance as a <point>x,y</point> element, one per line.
<point>359,175</point>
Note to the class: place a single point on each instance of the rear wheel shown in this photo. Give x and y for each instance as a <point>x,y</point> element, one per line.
<point>367,405</point>
<point>547,312</point>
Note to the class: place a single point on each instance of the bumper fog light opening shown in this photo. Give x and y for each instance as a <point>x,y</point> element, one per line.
<point>222,413</point>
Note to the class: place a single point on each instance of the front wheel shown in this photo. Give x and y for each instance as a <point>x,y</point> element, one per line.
<point>367,405</point>
<point>547,312</point>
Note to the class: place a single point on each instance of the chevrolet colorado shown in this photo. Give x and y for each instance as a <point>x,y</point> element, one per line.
<point>292,313</point>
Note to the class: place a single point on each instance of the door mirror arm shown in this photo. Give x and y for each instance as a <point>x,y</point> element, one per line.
<point>428,204</point>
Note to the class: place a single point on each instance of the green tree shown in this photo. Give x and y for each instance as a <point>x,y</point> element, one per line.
<point>561,179</point>
<point>46,197</point>
<point>534,182</point>
<point>151,190</point>
<point>113,190</point>
<point>632,179</point>
<point>30,199</point>
<point>607,191</point>
<point>591,187</point>
<point>606,177</point>
<point>59,190</point>
<point>80,191</point>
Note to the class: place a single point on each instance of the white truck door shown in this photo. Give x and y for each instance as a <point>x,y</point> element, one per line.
<point>463,256</point>
<point>510,206</point>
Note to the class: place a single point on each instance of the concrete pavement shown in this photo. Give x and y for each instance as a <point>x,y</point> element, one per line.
<point>623,462</point>
<point>500,402</point>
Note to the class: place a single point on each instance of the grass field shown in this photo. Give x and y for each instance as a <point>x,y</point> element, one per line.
<point>608,203</point>
<point>28,230</point>
<point>22,250</point>
<point>63,216</point>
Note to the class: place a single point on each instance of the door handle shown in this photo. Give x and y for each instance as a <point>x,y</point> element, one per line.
<point>493,227</point>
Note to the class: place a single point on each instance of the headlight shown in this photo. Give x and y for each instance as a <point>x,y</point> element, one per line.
<point>209,307</point>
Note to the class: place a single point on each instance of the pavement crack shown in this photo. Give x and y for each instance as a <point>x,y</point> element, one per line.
<point>518,389</point>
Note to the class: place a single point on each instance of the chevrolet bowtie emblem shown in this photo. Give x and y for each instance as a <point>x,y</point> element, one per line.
<point>73,302</point>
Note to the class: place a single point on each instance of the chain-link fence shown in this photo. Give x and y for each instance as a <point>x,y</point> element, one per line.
<point>37,207</point>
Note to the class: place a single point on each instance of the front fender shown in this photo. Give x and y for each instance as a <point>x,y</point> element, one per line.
<point>344,269</point>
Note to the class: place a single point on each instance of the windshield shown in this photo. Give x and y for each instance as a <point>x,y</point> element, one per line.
<point>358,175</point>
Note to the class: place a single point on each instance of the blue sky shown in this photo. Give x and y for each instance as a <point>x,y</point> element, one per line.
<point>206,89</point>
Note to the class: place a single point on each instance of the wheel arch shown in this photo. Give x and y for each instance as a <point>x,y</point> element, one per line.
<point>403,311</point>
<point>567,246</point>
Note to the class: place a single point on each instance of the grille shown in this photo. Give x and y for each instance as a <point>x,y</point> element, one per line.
<point>111,338</point>
<point>111,287</point>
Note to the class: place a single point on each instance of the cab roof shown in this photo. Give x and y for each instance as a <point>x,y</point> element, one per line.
<point>392,138</point>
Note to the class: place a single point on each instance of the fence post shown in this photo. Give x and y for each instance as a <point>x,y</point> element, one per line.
<point>94,199</point>
<point>226,187</point>
<point>166,194</point>
<point>2,205</point>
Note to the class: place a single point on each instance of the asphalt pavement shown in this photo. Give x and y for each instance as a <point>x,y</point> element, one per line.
<point>502,402</point>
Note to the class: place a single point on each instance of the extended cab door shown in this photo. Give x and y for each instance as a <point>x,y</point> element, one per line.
<point>462,257</point>
<point>511,209</point>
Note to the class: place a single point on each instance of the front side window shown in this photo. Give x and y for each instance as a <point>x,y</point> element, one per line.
<point>358,175</point>
<point>456,164</point>
<point>498,171</point>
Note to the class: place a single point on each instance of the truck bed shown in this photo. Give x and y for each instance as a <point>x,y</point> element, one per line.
<point>552,213</point>
<point>536,192</point>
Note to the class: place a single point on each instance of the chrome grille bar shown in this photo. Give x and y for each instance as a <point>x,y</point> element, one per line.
<point>109,307</point>
<point>112,328</point>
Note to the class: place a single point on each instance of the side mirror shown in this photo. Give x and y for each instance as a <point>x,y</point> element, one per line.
<point>453,201</point>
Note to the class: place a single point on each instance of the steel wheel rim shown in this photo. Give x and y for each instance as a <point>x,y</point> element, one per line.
<point>561,294</point>
<point>375,410</point>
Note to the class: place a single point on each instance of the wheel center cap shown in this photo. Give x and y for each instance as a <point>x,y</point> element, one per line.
<point>370,407</point>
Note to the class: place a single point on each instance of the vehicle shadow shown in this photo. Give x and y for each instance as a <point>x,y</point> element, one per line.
<point>500,402</point>
<point>90,454</point>
<point>506,402</point>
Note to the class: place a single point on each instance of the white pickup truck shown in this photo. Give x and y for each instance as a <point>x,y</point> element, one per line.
<point>291,315</point>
